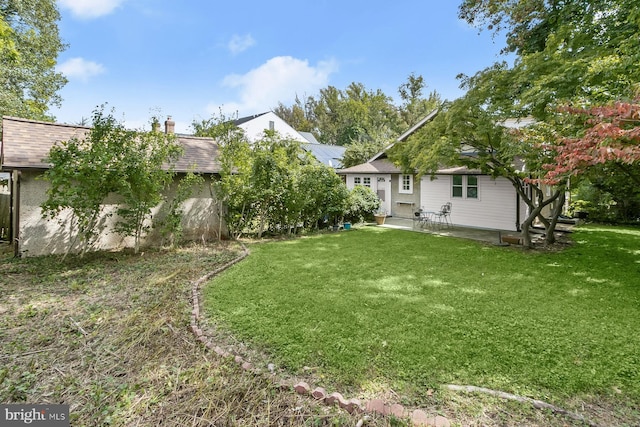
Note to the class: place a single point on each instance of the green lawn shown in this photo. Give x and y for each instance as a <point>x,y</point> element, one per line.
<point>376,307</point>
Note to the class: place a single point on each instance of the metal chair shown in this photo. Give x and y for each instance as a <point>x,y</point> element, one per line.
<point>443,216</point>
<point>421,217</point>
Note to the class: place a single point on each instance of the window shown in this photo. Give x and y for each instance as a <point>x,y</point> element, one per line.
<point>272,125</point>
<point>357,181</point>
<point>366,181</point>
<point>464,186</point>
<point>472,187</point>
<point>406,184</point>
<point>457,186</point>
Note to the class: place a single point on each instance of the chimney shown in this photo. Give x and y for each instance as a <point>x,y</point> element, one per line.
<point>169,126</point>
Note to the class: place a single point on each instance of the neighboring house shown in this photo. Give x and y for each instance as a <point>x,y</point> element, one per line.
<point>25,145</point>
<point>477,200</point>
<point>255,126</point>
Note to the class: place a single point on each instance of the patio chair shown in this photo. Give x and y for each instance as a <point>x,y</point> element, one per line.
<point>421,217</point>
<point>443,216</point>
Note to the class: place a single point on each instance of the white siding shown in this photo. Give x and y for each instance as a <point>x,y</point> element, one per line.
<point>254,129</point>
<point>495,207</point>
<point>380,184</point>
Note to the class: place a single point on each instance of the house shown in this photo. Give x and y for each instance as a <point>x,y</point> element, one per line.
<point>25,145</point>
<point>477,199</point>
<point>255,126</point>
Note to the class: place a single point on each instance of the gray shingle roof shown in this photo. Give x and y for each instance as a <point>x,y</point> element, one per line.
<point>375,166</point>
<point>26,143</point>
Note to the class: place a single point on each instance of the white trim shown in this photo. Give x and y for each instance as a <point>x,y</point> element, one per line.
<point>465,187</point>
<point>401,188</point>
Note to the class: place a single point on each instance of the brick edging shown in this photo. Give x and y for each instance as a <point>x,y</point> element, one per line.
<point>375,406</point>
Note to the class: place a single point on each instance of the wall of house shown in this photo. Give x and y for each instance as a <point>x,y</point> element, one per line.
<point>495,207</point>
<point>254,129</point>
<point>403,205</point>
<point>38,236</point>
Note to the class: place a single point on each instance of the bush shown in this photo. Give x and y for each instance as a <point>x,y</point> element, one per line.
<point>362,203</point>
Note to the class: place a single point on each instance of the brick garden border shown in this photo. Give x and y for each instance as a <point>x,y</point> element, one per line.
<point>374,406</point>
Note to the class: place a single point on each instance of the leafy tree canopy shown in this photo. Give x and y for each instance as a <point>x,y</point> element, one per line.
<point>29,47</point>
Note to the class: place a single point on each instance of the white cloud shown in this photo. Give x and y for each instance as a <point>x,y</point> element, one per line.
<point>277,80</point>
<point>87,9</point>
<point>240,43</point>
<point>81,69</point>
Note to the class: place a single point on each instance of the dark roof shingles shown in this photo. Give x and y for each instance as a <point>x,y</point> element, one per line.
<point>26,144</point>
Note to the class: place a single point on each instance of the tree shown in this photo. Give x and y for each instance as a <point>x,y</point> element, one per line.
<point>29,47</point>
<point>110,160</point>
<point>611,134</point>
<point>355,115</point>
<point>466,134</point>
<point>567,52</point>
<point>144,167</point>
<point>414,106</point>
<point>233,190</point>
<point>81,176</point>
<point>299,116</point>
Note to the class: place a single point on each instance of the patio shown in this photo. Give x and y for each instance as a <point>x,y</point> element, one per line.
<point>483,235</point>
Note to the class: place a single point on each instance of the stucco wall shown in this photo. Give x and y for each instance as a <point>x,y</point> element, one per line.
<point>403,205</point>
<point>38,236</point>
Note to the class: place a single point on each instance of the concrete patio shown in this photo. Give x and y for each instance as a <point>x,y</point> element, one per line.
<point>483,235</point>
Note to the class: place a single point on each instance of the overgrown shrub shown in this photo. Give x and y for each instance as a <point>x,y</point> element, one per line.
<point>362,203</point>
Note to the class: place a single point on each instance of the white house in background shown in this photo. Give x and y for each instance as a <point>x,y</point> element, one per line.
<point>477,200</point>
<point>254,127</point>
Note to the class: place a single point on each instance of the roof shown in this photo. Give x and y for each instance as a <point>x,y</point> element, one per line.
<point>374,166</point>
<point>406,134</point>
<point>386,166</point>
<point>309,137</point>
<point>330,155</point>
<point>26,144</point>
<point>242,120</point>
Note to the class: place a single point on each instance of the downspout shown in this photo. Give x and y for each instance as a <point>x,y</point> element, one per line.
<point>15,215</point>
<point>518,228</point>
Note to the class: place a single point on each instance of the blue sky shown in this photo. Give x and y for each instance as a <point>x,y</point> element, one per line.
<point>190,58</point>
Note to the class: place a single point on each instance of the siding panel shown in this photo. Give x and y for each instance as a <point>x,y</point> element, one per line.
<point>495,207</point>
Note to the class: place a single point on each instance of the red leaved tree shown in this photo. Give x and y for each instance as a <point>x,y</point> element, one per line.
<point>611,134</point>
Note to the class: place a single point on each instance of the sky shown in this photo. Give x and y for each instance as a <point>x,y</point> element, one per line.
<point>194,59</point>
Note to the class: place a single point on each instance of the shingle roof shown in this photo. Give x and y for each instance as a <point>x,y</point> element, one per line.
<point>376,166</point>
<point>26,143</point>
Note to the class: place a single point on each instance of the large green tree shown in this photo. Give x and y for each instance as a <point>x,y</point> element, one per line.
<point>29,47</point>
<point>110,161</point>
<point>567,53</point>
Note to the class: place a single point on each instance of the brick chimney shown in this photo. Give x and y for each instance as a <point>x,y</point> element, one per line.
<point>169,126</point>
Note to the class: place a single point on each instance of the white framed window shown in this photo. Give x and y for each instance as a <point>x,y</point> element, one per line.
<point>366,181</point>
<point>464,186</point>
<point>406,184</point>
<point>357,180</point>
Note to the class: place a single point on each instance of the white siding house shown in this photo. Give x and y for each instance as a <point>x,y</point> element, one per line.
<point>254,127</point>
<point>477,200</point>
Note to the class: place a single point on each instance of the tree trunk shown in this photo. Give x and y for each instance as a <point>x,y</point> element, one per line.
<point>550,238</point>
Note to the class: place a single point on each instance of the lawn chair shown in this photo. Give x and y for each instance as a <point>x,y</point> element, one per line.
<point>443,216</point>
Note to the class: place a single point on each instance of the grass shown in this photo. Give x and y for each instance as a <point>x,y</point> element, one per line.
<point>374,310</point>
<point>110,336</point>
